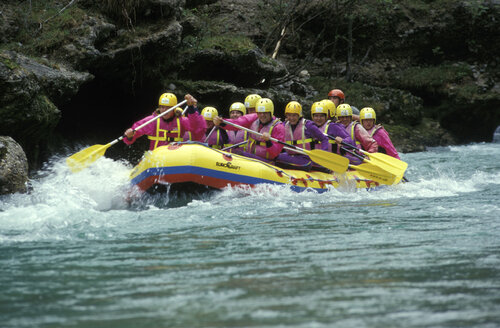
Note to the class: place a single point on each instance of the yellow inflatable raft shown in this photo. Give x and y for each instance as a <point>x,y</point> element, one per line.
<point>197,163</point>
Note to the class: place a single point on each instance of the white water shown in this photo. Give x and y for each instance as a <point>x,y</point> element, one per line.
<point>424,253</point>
<point>61,201</point>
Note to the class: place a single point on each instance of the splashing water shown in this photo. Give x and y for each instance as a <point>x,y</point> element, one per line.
<point>73,252</point>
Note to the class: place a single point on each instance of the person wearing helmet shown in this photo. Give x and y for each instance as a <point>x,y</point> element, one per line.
<point>301,133</point>
<point>356,131</point>
<point>337,96</point>
<point>250,102</point>
<point>368,117</point>
<point>168,128</point>
<point>237,110</point>
<point>214,136</point>
<point>264,122</point>
<point>320,111</point>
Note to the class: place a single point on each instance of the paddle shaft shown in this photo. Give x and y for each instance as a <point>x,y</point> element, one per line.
<point>295,148</point>
<point>211,131</point>
<point>235,145</point>
<point>353,153</point>
<point>146,123</point>
<point>347,150</point>
<point>84,157</point>
<point>329,160</point>
<point>158,116</point>
<point>354,147</point>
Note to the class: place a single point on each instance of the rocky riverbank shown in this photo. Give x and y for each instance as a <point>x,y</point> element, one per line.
<point>85,70</point>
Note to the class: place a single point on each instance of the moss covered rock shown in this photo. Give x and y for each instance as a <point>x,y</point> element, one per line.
<point>29,91</point>
<point>233,60</point>
<point>13,167</point>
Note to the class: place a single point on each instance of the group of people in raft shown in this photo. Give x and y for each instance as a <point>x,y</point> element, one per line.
<point>332,124</point>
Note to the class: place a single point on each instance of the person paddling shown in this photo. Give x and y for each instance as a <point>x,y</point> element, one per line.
<point>368,117</point>
<point>320,111</point>
<point>264,122</point>
<point>169,128</point>
<point>251,101</point>
<point>237,110</point>
<point>215,137</point>
<point>337,96</point>
<point>356,131</point>
<point>301,133</point>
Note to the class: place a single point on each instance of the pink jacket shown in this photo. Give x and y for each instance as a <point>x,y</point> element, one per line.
<point>278,131</point>
<point>161,132</point>
<point>362,136</point>
<point>382,137</point>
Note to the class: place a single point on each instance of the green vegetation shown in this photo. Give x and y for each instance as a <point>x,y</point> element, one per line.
<point>47,113</point>
<point>435,76</point>
<point>357,93</point>
<point>391,105</point>
<point>7,62</point>
<point>234,44</point>
<point>44,28</point>
<point>213,32</point>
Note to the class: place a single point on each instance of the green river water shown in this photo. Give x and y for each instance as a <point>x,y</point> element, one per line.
<point>421,254</point>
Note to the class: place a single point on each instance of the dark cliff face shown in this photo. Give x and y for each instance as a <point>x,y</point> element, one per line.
<point>424,66</point>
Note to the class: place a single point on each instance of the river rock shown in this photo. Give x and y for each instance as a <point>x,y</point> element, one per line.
<point>13,166</point>
<point>29,93</point>
<point>496,135</point>
<point>247,69</point>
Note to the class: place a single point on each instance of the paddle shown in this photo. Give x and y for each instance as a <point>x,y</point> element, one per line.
<point>383,156</point>
<point>375,173</point>
<point>371,171</point>
<point>85,157</point>
<point>331,161</point>
<point>235,145</point>
<point>382,171</point>
<point>385,161</point>
<point>211,131</point>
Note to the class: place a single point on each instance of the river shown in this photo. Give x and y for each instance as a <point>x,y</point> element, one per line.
<point>420,254</point>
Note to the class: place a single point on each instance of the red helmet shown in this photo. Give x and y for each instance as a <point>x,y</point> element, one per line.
<point>336,93</point>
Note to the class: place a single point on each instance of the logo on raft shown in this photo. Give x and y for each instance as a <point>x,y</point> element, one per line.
<point>228,165</point>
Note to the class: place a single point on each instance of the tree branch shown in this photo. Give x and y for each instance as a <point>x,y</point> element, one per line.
<point>60,11</point>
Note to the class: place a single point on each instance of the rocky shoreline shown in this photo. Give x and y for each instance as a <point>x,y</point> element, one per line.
<point>83,69</point>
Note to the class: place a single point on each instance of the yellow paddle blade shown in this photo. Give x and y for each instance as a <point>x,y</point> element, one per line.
<point>377,174</point>
<point>329,160</point>
<point>387,160</point>
<point>85,157</point>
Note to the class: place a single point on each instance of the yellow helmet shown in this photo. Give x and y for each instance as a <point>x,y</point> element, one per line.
<point>367,113</point>
<point>344,110</point>
<point>167,99</point>
<point>330,106</point>
<point>293,107</point>
<point>264,105</point>
<point>319,107</point>
<point>209,113</point>
<point>251,100</point>
<point>239,107</point>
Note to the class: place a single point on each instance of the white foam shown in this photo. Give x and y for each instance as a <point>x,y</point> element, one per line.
<point>59,198</point>
<point>61,201</point>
